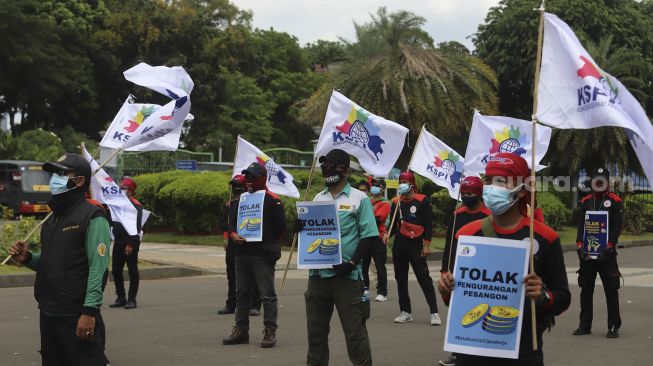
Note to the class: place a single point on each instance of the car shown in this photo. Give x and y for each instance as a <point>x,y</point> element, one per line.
<point>24,187</point>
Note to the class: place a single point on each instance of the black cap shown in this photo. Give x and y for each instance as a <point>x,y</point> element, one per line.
<point>600,172</point>
<point>379,182</point>
<point>335,157</point>
<point>69,162</point>
<point>256,170</point>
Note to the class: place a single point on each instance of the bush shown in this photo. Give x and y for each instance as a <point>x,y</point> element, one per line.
<point>6,213</point>
<point>638,214</point>
<point>443,206</point>
<point>556,214</point>
<point>13,231</point>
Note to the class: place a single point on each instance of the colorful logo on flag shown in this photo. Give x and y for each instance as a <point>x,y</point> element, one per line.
<point>360,131</point>
<point>142,114</point>
<point>509,141</point>
<point>592,96</point>
<point>273,169</point>
<point>447,166</point>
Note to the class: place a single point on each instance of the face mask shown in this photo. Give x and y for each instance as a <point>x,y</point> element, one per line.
<point>404,188</point>
<point>469,201</point>
<point>499,199</point>
<point>331,176</point>
<point>60,184</point>
<point>375,190</point>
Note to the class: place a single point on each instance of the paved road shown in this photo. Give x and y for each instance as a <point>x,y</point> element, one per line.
<point>176,324</point>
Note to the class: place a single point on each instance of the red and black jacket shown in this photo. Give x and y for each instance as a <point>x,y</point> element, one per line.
<point>416,210</point>
<point>381,212</point>
<point>549,266</point>
<point>464,215</point>
<point>606,201</point>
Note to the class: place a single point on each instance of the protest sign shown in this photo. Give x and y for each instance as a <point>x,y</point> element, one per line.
<point>595,233</point>
<point>319,241</point>
<point>249,223</point>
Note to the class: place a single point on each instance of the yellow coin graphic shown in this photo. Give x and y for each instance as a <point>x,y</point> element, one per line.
<point>475,315</point>
<point>329,242</point>
<point>254,221</point>
<point>243,224</point>
<point>503,312</point>
<point>314,245</point>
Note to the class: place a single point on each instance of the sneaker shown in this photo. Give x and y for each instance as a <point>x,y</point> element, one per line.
<point>435,319</point>
<point>582,331</point>
<point>404,317</point>
<point>226,310</point>
<point>381,298</point>
<point>254,312</point>
<point>119,303</point>
<point>131,304</point>
<point>237,336</point>
<point>613,332</point>
<point>451,361</point>
<point>269,337</point>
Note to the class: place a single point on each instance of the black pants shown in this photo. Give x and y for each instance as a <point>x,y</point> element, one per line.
<point>380,256</point>
<point>230,258</point>
<point>60,345</point>
<point>610,276</point>
<point>118,263</point>
<point>401,259</point>
<point>253,269</point>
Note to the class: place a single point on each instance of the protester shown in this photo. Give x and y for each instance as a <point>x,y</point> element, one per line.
<point>412,229</point>
<point>125,250</point>
<point>70,296</point>
<point>341,286</point>
<point>506,197</point>
<point>364,186</point>
<point>255,261</point>
<point>471,194</point>
<point>379,252</point>
<point>601,199</point>
<point>237,184</point>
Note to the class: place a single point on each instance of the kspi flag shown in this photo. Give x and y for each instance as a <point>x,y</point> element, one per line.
<point>573,92</point>
<point>438,162</point>
<point>279,180</point>
<point>106,191</point>
<point>491,135</point>
<point>173,82</point>
<point>126,122</point>
<point>374,140</point>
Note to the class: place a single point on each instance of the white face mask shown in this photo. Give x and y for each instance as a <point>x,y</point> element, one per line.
<point>499,199</point>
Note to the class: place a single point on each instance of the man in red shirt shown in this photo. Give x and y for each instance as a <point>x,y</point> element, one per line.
<point>379,252</point>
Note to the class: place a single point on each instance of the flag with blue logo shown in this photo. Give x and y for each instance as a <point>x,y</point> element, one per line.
<point>279,180</point>
<point>434,160</point>
<point>491,135</point>
<point>375,141</point>
<point>574,92</point>
<point>106,191</point>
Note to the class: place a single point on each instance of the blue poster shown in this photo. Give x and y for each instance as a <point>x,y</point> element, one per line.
<point>319,241</point>
<point>250,216</point>
<point>595,235</point>
<point>486,306</point>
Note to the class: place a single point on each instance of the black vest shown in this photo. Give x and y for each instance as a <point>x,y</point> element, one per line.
<point>62,272</point>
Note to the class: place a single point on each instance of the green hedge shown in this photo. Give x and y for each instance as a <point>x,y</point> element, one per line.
<point>556,214</point>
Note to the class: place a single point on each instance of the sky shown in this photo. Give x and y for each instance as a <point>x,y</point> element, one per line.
<point>310,20</point>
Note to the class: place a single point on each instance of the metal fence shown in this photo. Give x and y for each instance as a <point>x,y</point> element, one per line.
<point>284,156</point>
<point>135,163</point>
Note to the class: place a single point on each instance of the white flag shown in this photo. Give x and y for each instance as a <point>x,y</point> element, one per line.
<point>173,82</point>
<point>573,92</point>
<point>106,191</point>
<point>126,122</point>
<point>491,135</point>
<point>438,162</point>
<point>279,180</point>
<point>375,141</point>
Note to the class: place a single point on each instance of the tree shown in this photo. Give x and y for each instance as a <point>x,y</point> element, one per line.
<point>322,53</point>
<point>393,70</point>
<point>38,145</point>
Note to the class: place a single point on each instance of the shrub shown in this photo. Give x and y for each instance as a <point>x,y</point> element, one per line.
<point>638,214</point>
<point>443,206</point>
<point>556,213</point>
<point>13,231</point>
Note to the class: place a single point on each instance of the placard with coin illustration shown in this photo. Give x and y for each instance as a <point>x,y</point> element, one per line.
<point>250,216</point>
<point>595,233</point>
<point>487,303</point>
<point>319,241</point>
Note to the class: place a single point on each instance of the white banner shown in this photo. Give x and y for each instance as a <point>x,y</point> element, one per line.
<point>573,92</point>
<point>438,162</point>
<point>279,180</point>
<point>375,141</point>
<point>491,135</point>
<point>106,191</point>
<point>172,82</point>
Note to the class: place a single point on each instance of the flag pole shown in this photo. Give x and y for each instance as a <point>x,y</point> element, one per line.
<point>538,61</point>
<point>106,161</point>
<point>453,232</point>
<point>294,239</point>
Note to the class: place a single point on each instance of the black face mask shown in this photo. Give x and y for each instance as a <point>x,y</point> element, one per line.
<point>470,201</point>
<point>331,175</point>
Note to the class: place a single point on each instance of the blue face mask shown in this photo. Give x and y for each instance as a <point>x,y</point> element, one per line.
<point>404,188</point>
<point>498,199</point>
<point>375,190</point>
<point>58,184</point>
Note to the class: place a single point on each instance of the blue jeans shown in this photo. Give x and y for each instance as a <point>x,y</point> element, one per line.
<point>250,270</point>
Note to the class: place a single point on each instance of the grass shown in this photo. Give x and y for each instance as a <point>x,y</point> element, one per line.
<point>174,238</point>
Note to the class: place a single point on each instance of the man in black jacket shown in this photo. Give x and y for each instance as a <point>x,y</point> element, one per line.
<point>255,261</point>
<point>601,199</point>
<point>70,296</point>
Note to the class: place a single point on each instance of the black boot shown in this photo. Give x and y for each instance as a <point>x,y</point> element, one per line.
<point>131,304</point>
<point>226,310</point>
<point>119,303</point>
<point>238,336</point>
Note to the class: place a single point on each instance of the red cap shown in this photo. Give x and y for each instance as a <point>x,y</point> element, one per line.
<point>238,179</point>
<point>510,165</point>
<point>129,184</point>
<point>472,185</point>
<point>409,177</point>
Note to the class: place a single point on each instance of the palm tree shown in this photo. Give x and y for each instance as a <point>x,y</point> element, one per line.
<point>606,145</point>
<point>394,70</point>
